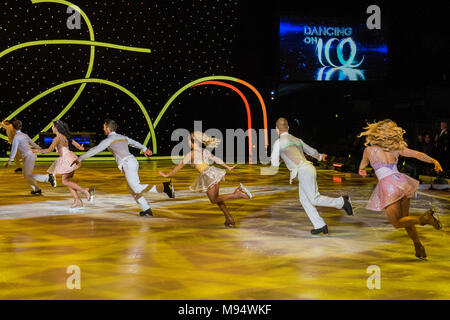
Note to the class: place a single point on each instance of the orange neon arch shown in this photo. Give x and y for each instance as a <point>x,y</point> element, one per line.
<point>247,107</point>
<point>213,78</point>
<point>263,107</point>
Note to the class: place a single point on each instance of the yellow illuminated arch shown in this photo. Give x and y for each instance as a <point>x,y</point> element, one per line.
<point>84,81</point>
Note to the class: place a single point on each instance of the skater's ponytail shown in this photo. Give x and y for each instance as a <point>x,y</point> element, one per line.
<point>63,128</point>
<point>204,139</point>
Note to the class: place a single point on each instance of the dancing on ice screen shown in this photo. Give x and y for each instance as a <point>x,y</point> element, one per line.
<point>325,49</point>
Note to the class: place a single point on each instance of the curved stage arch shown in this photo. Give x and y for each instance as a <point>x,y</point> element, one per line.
<point>92,43</point>
<point>91,57</point>
<point>215,78</point>
<point>247,107</point>
<point>92,80</point>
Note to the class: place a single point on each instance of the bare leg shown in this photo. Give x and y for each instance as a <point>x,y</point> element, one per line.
<point>237,194</point>
<point>398,214</point>
<point>68,182</point>
<point>229,220</point>
<point>77,201</point>
<point>73,188</point>
<point>159,187</point>
<point>396,217</point>
<point>213,195</point>
<point>412,231</point>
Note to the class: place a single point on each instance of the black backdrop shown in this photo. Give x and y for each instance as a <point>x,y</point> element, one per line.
<point>190,39</point>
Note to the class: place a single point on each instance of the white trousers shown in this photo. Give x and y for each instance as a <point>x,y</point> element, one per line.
<point>310,197</point>
<point>130,168</point>
<point>17,159</point>
<point>29,161</point>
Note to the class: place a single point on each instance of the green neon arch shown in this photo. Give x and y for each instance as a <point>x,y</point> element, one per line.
<point>101,81</point>
<point>92,43</point>
<point>76,42</point>
<point>91,56</point>
<point>190,84</point>
<point>68,41</point>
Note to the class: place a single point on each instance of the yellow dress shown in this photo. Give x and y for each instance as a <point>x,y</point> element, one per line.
<point>209,177</point>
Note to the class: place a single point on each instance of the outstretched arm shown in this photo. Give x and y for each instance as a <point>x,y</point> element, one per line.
<point>364,163</point>
<point>274,161</point>
<point>77,145</point>
<point>416,154</point>
<point>14,147</point>
<point>177,168</point>
<point>147,152</point>
<point>51,148</point>
<point>421,156</point>
<point>93,151</point>
<point>275,156</point>
<point>312,152</point>
<point>137,145</point>
<point>219,161</point>
<point>33,144</point>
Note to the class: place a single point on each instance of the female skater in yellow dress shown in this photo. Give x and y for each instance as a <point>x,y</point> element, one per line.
<point>209,179</point>
<point>384,141</point>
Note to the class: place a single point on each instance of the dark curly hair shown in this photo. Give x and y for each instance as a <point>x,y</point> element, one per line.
<point>63,128</point>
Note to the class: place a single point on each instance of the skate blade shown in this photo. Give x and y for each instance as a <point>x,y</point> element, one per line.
<point>319,235</point>
<point>246,191</point>
<point>436,216</point>
<point>92,192</point>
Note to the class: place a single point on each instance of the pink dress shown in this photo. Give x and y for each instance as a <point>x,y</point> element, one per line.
<point>62,165</point>
<point>392,185</point>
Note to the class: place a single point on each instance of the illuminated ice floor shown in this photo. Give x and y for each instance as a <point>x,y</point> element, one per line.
<point>184,251</point>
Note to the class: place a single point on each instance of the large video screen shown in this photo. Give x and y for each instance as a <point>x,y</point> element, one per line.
<point>330,49</point>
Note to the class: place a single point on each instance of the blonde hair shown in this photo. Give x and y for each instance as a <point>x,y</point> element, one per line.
<point>202,138</point>
<point>385,134</point>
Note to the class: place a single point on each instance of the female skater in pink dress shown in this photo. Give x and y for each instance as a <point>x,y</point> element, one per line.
<point>209,179</point>
<point>385,143</point>
<point>62,165</point>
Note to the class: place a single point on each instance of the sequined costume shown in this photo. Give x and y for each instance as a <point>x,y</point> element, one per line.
<point>392,185</point>
<point>63,164</point>
<point>209,175</point>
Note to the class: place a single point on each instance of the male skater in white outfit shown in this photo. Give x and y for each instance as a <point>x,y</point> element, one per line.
<point>21,143</point>
<point>291,150</point>
<point>118,145</point>
<point>11,132</point>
